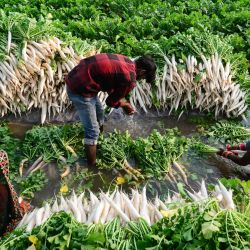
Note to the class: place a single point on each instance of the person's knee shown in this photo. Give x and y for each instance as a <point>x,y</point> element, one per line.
<point>92,134</point>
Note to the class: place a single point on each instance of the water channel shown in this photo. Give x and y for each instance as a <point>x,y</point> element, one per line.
<point>208,167</point>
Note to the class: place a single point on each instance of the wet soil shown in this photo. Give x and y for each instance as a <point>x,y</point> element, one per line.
<point>209,167</point>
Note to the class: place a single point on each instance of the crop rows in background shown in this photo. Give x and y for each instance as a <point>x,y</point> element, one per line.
<point>133,27</point>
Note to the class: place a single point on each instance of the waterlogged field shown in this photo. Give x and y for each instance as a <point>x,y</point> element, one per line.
<point>133,152</point>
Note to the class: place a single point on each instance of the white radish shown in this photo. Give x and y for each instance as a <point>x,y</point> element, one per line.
<point>133,212</point>
<point>144,210</point>
<point>112,204</point>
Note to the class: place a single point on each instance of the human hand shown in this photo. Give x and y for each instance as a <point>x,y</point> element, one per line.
<point>127,108</point>
<point>220,152</point>
<point>225,153</point>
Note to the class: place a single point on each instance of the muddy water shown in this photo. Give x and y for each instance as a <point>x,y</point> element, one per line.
<point>141,125</point>
<point>19,129</point>
<point>209,167</point>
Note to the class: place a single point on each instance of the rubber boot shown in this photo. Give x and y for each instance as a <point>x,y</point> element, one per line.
<point>91,155</point>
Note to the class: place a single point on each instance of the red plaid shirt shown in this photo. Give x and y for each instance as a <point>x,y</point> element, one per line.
<point>112,73</point>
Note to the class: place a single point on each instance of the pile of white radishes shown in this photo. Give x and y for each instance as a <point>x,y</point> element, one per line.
<point>127,207</point>
<point>205,86</point>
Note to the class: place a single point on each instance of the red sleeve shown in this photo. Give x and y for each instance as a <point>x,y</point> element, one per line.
<point>114,97</point>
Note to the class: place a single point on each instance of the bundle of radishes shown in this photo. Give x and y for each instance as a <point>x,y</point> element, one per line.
<point>118,203</point>
<point>207,86</point>
<point>33,63</point>
<point>37,79</point>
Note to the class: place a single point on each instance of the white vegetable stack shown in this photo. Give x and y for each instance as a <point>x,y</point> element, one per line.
<point>37,81</point>
<point>206,86</point>
<point>108,206</point>
<point>35,78</point>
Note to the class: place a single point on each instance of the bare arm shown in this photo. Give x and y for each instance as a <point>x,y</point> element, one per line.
<point>243,161</point>
<point>115,98</point>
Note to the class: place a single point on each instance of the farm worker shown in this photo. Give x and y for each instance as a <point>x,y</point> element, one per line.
<point>244,160</point>
<point>112,73</point>
<point>12,208</point>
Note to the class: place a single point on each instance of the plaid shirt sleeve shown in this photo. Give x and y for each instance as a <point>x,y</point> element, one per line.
<point>114,97</point>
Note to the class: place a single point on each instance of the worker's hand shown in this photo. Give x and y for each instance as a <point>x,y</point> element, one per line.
<point>220,152</point>
<point>225,153</point>
<point>127,108</point>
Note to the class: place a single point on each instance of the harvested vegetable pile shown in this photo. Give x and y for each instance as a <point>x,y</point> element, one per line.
<point>114,151</point>
<point>53,141</point>
<point>108,206</point>
<point>130,27</point>
<point>183,224</point>
<point>228,132</point>
<point>63,144</point>
<point>155,153</point>
<point>201,148</point>
<point>33,65</point>
<point>135,160</point>
<point>206,85</point>
<point>41,145</point>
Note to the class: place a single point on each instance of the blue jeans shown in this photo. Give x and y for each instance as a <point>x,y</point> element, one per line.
<point>91,114</point>
<point>248,145</point>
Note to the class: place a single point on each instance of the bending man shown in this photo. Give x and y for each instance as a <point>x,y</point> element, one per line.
<point>112,73</point>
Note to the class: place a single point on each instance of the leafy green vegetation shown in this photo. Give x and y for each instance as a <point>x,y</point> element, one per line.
<point>114,149</point>
<point>228,132</point>
<point>202,148</point>
<point>123,23</point>
<point>28,186</point>
<point>12,146</point>
<point>151,156</point>
<point>155,153</point>
<point>197,226</point>
<point>188,225</point>
<point>53,141</point>
<point>132,27</point>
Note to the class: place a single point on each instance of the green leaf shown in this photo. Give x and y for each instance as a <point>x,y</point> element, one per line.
<point>66,237</point>
<point>246,186</point>
<point>208,228</point>
<point>220,239</point>
<point>180,187</point>
<point>88,247</point>
<point>156,237</point>
<point>51,239</point>
<point>96,237</point>
<point>207,217</point>
<point>188,235</point>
